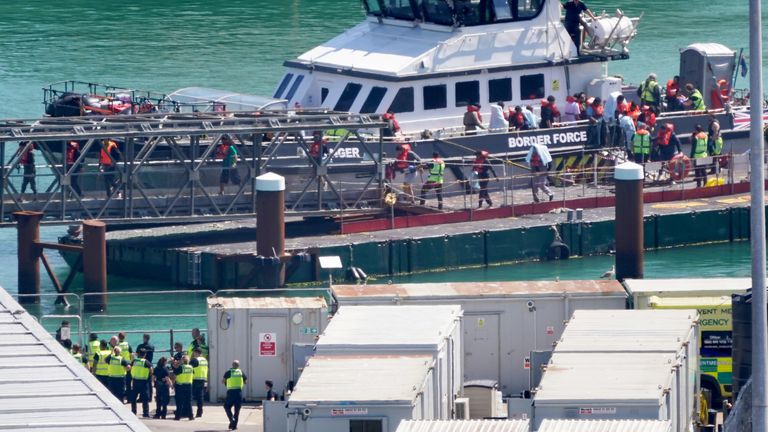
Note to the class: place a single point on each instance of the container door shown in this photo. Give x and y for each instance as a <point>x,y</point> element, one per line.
<point>481,347</point>
<point>269,356</point>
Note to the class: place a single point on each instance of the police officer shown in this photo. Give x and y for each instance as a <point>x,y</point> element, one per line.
<point>198,341</point>
<point>235,380</point>
<point>184,374</point>
<point>94,346</point>
<point>435,180</point>
<point>126,352</point>
<point>79,355</point>
<point>199,378</point>
<point>100,365</point>
<point>141,372</point>
<point>118,369</point>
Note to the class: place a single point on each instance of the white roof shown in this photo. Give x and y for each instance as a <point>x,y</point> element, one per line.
<point>688,287</point>
<point>389,326</point>
<point>267,302</point>
<point>605,426</point>
<point>463,426</point>
<point>597,378</point>
<point>627,330</point>
<point>233,101</point>
<point>382,379</point>
<point>711,49</point>
<point>44,388</point>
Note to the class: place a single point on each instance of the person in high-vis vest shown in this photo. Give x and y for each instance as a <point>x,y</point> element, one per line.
<point>198,341</point>
<point>183,373</point>
<point>714,143</point>
<point>641,144</point>
<point>78,355</point>
<point>434,180</point>
<point>99,364</point>
<point>235,381</point>
<point>698,151</point>
<point>118,369</point>
<point>141,372</point>
<point>650,91</point>
<point>199,378</point>
<point>127,353</point>
<point>695,100</point>
<point>108,157</point>
<point>93,348</point>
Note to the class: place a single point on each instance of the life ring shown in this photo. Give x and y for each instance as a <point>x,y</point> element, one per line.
<point>558,251</point>
<point>679,167</point>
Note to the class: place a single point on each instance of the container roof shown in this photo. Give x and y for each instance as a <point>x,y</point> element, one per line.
<point>605,426</point>
<point>480,289</point>
<point>267,302</point>
<point>44,388</point>
<point>391,325</point>
<point>596,378</point>
<point>683,287</point>
<point>647,330</point>
<point>463,426</point>
<point>710,49</point>
<point>357,379</point>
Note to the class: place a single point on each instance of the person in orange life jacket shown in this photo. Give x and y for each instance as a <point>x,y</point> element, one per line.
<point>667,145</point>
<point>108,157</point>
<point>392,126</point>
<point>648,116</point>
<point>540,161</point>
<point>472,119</point>
<point>634,112</point>
<point>26,155</point>
<point>483,169</point>
<point>318,148</point>
<point>406,164</point>
<point>549,112</point>
<point>436,168</point>
<point>671,93</point>
<point>699,151</point>
<point>73,153</point>
<point>622,107</point>
<point>517,119</point>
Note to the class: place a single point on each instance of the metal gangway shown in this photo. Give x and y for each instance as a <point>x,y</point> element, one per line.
<point>169,165</point>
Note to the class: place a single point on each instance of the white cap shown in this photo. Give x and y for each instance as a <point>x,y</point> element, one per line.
<point>628,171</point>
<point>270,182</point>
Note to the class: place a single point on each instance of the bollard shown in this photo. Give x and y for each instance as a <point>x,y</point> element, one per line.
<point>27,234</point>
<point>94,265</point>
<point>629,221</point>
<point>270,228</point>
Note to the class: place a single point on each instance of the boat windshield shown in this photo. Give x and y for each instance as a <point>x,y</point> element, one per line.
<point>398,9</point>
<point>436,12</point>
<point>461,12</point>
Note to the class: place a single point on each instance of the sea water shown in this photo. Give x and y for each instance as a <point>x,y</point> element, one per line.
<point>240,45</point>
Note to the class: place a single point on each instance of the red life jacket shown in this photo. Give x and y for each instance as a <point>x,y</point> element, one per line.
<point>536,159</point>
<point>221,151</point>
<point>672,88</point>
<point>664,135</point>
<point>479,165</point>
<point>623,108</point>
<point>314,148</point>
<point>72,149</point>
<point>106,150</point>
<point>390,118</point>
<point>598,110</point>
<point>402,157</point>
<point>519,120</point>
<point>24,159</point>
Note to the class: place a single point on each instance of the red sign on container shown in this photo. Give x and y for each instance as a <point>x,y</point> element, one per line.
<point>267,344</point>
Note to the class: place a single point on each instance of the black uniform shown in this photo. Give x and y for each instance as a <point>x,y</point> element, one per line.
<point>163,392</point>
<point>140,388</point>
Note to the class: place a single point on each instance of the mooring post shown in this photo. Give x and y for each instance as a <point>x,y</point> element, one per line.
<point>28,234</point>
<point>95,265</point>
<point>270,228</point>
<point>629,221</point>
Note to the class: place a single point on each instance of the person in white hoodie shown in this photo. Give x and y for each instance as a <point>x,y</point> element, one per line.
<point>498,122</point>
<point>540,161</point>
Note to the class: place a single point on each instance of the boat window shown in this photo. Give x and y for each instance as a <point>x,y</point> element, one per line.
<point>526,9</point>
<point>532,86</point>
<point>348,97</point>
<point>283,84</point>
<point>323,95</point>
<point>472,12</point>
<point>436,11</point>
<point>366,426</point>
<point>372,7</point>
<point>478,12</point>
<point>373,100</point>
<point>500,90</point>
<point>403,101</point>
<point>502,10</point>
<point>435,97</point>
<point>467,92</point>
<point>398,9</point>
<point>294,87</point>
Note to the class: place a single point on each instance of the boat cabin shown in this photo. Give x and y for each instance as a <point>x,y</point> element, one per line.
<point>426,60</point>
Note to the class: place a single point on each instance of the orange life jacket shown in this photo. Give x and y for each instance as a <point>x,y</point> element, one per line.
<point>598,110</point>
<point>106,150</point>
<point>664,135</point>
<point>72,149</point>
<point>402,157</point>
<point>672,88</point>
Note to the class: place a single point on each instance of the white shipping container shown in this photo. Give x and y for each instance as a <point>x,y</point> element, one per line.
<point>503,321</point>
<point>362,392</point>
<point>270,336</point>
<point>605,426</point>
<point>616,386</point>
<point>433,330</point>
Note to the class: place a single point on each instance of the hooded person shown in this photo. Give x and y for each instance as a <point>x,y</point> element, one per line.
<point>498,122</point>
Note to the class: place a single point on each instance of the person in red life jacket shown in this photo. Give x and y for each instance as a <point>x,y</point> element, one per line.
<point>622,107</point>
<point>73,154</point>
<point>436,168</point>
<point>671,93</point>
<point>648,116</point>
<point>540,161</point>
<point>406,163</point>
<point>721,94</point>
<point>472,119</point>
<point>597,122</point>
<point>549,113</point>
<point>318,148</point>
<point>517,119</point>
<point>108,157</point>
<point>26,155</point>
<point>634,112</point>
<point>392,126</point>
<point>699,143</point>
<point>667,145</point>
<point>482,169</point>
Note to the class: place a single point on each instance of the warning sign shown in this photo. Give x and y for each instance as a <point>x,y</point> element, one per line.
<point>550,330</point>
<point>527,363</point>
<point>335,412</point>
<point>597,411</point>
<point>267,344</point>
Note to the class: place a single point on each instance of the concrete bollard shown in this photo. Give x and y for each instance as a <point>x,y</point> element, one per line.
<point>270,229</point>
<point>27,234</point>
<point>629,221</point>
<point>95,265</point>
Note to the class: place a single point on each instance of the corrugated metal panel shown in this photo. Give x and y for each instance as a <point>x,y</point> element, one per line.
<point>362,378</point>
<point>482,289</point>
<point>463,426</point>
<point>390,326</point>
<point>605,426</point>
<point>43,388</point>
<point>597,377</point>
<point>267,302</point>
<point>722,286</point>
